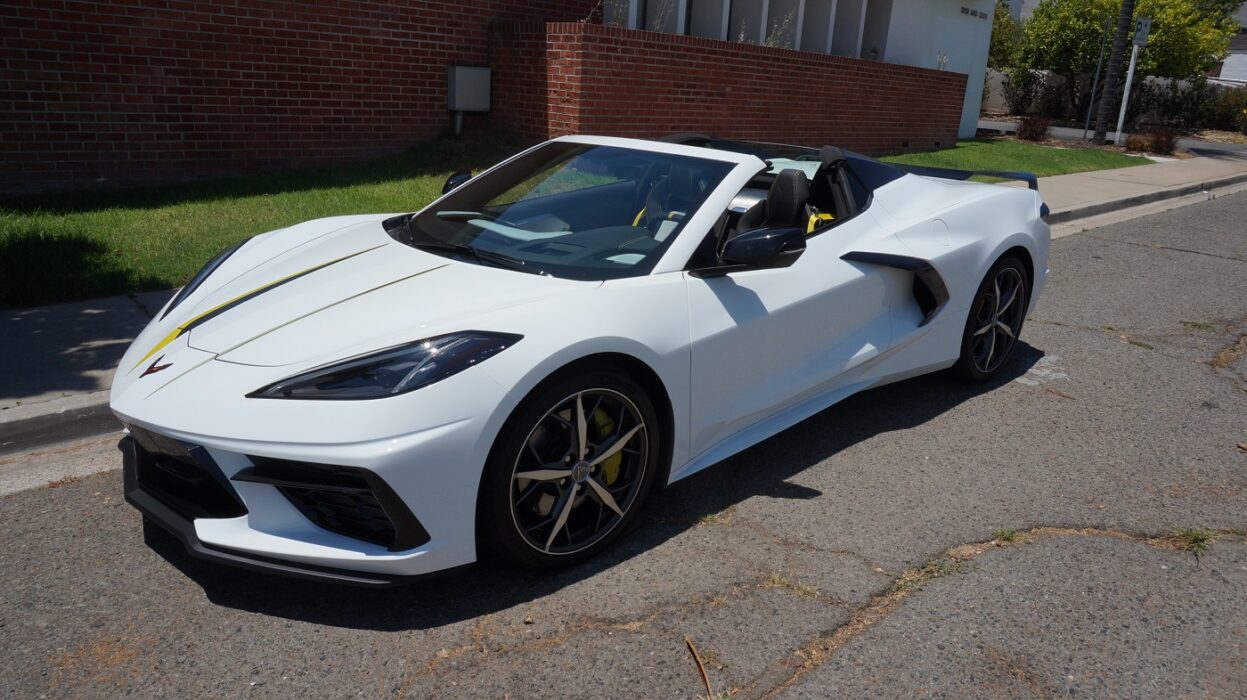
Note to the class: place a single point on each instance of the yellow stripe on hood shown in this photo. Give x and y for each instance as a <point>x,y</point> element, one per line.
<point>226,306</point>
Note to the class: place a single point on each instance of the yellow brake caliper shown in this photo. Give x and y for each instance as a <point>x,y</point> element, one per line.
<point>605,426</point>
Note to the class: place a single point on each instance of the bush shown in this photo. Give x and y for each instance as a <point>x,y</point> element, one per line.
<point>1230,110</point>
<point>1034,128</point>
<point>1160,139</point>
<point>1191,103</point>
<point>1021,89</point>
<point>1052,98</point>
<point>1136,143</point>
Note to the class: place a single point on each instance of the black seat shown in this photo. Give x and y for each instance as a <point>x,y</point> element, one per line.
<point>786,204</point>
<point>672,198</point>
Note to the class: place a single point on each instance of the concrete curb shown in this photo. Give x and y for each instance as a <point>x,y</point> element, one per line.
<point>1090,210</point>
<point>26,434</point>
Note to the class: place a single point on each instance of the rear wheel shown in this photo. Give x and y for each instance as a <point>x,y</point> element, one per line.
<point>995,320</point>
<point>570,470</point>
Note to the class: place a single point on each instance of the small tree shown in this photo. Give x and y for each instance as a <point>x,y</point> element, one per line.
<point>1006,38</point>
<point>1064,36</point>
<point>1021,89</point>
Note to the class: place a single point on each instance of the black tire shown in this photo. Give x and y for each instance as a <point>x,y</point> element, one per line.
<point>613,405</point>
<point>988,327</point>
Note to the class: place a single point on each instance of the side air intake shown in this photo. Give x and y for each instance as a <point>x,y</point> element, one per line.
<point>930,292</point>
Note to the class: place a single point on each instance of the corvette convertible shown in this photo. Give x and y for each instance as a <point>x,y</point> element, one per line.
<point>518,365</point>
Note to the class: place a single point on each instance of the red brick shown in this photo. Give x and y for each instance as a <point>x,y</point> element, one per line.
<point>152,90</point>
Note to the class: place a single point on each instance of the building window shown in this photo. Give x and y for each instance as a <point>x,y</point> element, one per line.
<point>821,26</point>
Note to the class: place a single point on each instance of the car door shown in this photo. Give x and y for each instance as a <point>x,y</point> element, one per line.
<point>765,340</point>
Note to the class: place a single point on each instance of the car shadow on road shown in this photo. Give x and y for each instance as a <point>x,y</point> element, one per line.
<point>491,586</point>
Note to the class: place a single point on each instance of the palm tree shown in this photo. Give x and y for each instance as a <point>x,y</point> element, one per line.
<point>1108,101</point>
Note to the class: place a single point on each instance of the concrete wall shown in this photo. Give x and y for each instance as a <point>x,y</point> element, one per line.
<point>928,32</point>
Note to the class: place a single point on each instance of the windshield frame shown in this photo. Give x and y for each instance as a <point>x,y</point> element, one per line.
<point>742,167</point>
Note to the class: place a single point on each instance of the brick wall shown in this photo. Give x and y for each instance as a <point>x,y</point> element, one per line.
<point>563,78</point>
<point>152,90</point>
<point>146,90</point>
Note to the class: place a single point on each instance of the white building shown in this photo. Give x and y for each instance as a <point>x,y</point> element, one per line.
<point>951,35</point>
<point>1022,9</point>
<point>1234,69</point>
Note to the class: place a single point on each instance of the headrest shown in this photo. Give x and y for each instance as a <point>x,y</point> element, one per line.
<point>786,200</point>
<point>682,184</point>
<point>829,156</point>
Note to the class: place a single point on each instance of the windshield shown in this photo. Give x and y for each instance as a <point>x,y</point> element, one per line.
<point>571,210</point>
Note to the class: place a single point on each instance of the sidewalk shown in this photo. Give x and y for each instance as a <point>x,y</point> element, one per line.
<point>56,362</point>
<point>1081,195</point>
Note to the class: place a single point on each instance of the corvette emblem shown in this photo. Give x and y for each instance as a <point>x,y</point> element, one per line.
<point>155,367</point>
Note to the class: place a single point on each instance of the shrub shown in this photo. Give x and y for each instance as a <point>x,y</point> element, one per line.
<point>1230,110</point>
<point>1052,97</point>
<point>1136,143</point>
<point>1160,139</point>
<point>1021,89</point>
<point>1034,128</point>
<point>1191,103</point>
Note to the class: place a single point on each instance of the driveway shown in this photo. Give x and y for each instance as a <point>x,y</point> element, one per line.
<point>924,539</point>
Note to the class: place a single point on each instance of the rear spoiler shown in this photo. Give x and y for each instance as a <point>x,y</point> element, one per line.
<point>951,174</point>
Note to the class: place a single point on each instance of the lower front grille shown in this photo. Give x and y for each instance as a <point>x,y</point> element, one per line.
<point>352,513</point>
<point>346,500</point>
<point>183,477</point>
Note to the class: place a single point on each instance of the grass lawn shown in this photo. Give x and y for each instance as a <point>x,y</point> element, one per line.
<point>79,245</point>
<point>1006,154</point>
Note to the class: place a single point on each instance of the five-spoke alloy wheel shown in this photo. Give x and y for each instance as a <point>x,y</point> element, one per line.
<point>570,469</point>
<point>995,321</point>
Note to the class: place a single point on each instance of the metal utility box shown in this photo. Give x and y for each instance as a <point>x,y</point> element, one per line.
<point>467,88</point>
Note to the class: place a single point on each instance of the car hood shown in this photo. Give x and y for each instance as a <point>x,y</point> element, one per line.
<point>311,297</point>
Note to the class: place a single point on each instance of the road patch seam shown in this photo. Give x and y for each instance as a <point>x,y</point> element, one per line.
<point>486,641</point>
<point>789,670</point>
<point>1158,246</point>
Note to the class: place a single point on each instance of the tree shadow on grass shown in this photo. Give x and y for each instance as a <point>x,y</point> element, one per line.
<point>441,156</point>
<point>53,246</point>
<point>65,348</point>
<point>490,586</point>
<point>65,267</point>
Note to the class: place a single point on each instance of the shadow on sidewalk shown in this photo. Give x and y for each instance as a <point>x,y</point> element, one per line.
<point>69,348</point>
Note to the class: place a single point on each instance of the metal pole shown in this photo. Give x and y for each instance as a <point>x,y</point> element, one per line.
<point>1125,98</point>
<point>1091,101</point>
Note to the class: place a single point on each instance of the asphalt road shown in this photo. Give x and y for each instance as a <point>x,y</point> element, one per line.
<point>858,554</point>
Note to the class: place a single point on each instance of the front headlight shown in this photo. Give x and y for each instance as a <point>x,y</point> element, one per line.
<point>392,371</point>
<point>200,276</point>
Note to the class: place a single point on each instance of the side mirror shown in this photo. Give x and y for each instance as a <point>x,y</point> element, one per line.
<point>456,180</point>
<point>764,248</point>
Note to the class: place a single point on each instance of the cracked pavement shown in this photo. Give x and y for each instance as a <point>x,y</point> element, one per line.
<point>861,553</point>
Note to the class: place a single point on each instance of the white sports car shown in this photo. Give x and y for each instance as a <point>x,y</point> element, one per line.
<point>367,399</point>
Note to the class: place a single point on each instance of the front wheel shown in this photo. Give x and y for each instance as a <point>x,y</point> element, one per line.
<point>570,470</point>
<point>995,321</point>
